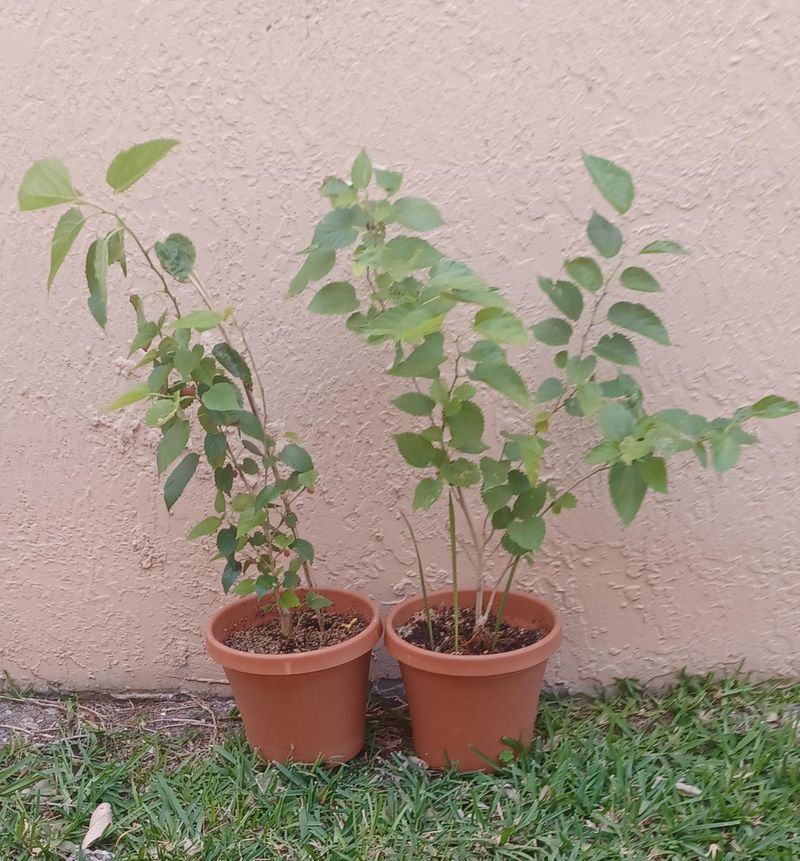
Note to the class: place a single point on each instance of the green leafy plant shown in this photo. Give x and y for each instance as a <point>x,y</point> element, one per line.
<point>402,292</point>
<point>208,402</point>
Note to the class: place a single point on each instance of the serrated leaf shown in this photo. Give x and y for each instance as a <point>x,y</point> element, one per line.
<point>613,182</point>
<point>137,393</point>
<point>416,213</point>
<point>208,526</point>
<point>132,164</point>
<point>653,471</point>
<point>415,404</point>
<point>231,574</point>
<point>527,534</point>
<point>233,362</point>
<point>500,326</point>
<point>304,549</point>
<point>460,473</point>
<point>605,236</point>
<point>423,361</point>
<point>179,478</point>
<point>504,379</point>
<point>415,449</point>
<point>466,428</point>
<point>296,458</point>
<point>579,370</point>
<point>494,472</point>
<point>615,421</point>
<point>774,407</point>
<point>549,390</point>
<point>221,397</point>
<point>585,272</point>
<point>388,180</point>
<point>215,448</point>
<point>627,489</point>
<point>338,192</point>
<point>316,601</point>
<point>564,295</point>
<point>495,498</point>
<point>725,452</point>
<point>554,332</point>
<point>116,250</point>
<point>177,255</point>
<point>201,320</point>
<point>46,183</point>
<point>318,263</point>
<point>361,172</point>
<point>64,236</point>
<point>338,297</point>
<point>636,278</point>
<point>664,246</point>
<point>427,493</point>
<point>617,348</point>
<point>337,229</point>
<point>637,318</point>
<point>172,444</point>
<point>590,398</point>
<point>97,280</point>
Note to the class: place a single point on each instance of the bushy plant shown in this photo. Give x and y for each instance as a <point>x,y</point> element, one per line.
<point>206,400</point>
<point>400,292</point>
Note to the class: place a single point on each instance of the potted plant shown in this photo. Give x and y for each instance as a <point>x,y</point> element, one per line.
<point>287,647</point>
<point>473,659</point>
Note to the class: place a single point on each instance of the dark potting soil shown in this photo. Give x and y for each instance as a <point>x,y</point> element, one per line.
<point>482,642</point>
<point>265,638</point>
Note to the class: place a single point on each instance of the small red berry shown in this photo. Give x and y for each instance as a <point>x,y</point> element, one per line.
<point>188,392</point>
<point>310,489</point>
<point>285,552</point>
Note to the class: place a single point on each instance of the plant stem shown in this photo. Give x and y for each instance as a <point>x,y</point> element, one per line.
<point>451,523</point>
<point>501,609</point>
<point>479,549</point>
<point>423,585</point>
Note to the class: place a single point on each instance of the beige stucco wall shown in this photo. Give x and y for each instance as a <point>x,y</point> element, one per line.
<point>484,106</point>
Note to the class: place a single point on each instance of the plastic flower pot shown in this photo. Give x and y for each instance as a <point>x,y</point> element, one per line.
<point>306,706</point>
<point>465,709</point>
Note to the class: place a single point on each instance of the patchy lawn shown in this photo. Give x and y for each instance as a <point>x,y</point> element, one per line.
<point>612,778</point>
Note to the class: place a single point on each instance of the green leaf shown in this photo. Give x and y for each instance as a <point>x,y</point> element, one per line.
<point>172,444</point>
<point>46,183</point>
<point>500,326</point>
<point>586,272</point>
<point>530,450</point>
<point>97,280</point>
<point>215,448</point>
<point>304,549</point>
<point>422,361</point>
<point>414,448</point>
<point>653,471</point>
<point>185,362</point>
<point>590,398</point>
<point>416,213</point>
<point>614,183</point>
<point>554,332</point>
<point>725,452</point>
<point>226,542</point>
<point>338,297</point>
<point>495,498</point>
<point>605,237</point>
<point>233,362</point>
<point>132,164</point>
<point>221,397</point>
<point>527,534</point>
<point>427,493</point>
<point>116,250</point>
<point>663,246</point>
<point>639,319</point>
<point>160,412</point>
<point>338,192</point>
<point>564,295</point>
<point>402,256</point>
<point>504,379</point>
<point>466,428</point>
<point>137,393</point>
<point>179,478</point>
<point>296,457</point>
<point>617,348</point>
<point>388,180</point>
<point>580,370</point>
<point>317,602</point>
<point>223,478</point>
<point>288,600</point>
<point>494,472</point>
<point>177,256</point>
<point>231,574</point>
<point>616,422</point>
<point>64,236</point>
<point>549,390</point>
<point>208,526</point>
<point>361,172</point>
<point>461,473</point>
<point>318,264</point>
<point>636,278</point>
<point>627,489</point>
<point>774,407</point>
<point>201,320</point>
<point>337,229</point>
<point>605,452</point>
<point>415,404</point>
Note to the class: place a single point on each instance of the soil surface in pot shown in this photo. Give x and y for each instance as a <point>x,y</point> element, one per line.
<point>482,642</point>
<point>265,638</point>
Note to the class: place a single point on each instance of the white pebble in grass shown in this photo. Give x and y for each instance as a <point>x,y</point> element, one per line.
<point>688,790</point>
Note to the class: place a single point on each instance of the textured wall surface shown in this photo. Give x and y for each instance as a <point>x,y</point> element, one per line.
<point>485,107</point>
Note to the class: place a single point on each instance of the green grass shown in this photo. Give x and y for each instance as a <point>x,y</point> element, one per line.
<point>599,783</point>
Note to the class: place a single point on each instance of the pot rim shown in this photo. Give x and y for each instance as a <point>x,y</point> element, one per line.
<point>472,665</point>
<point>295,663</point>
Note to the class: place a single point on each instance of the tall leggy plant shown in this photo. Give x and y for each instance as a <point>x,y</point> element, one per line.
<point>207,401</point>
<point>401,292</point>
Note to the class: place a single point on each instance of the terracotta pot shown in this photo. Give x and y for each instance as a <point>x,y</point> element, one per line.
<point>462,706</point>
<point>305,706</point>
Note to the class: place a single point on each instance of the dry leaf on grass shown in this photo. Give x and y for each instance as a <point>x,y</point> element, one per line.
<point>713,849</point>
<point>101,819</point>
<point>688,790</point>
